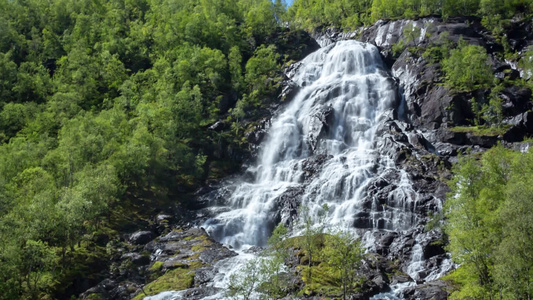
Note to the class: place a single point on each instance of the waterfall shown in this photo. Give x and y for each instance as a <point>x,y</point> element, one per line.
<point>337,118</point>
<point>336,144</point>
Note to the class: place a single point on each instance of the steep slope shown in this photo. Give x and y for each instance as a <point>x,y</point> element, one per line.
<point>373,140</point>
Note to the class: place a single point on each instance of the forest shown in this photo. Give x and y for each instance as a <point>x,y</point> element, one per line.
<point>105,110</point>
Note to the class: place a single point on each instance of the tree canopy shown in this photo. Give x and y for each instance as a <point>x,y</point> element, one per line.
<point>489,223</point>
<point>104,104</point>
<point>350,14</point>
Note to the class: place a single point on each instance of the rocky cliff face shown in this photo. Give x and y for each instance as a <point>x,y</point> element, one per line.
<point>429,114</point>
<point>420,138</point>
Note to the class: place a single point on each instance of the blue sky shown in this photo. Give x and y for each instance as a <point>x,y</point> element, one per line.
<point>289,2</point>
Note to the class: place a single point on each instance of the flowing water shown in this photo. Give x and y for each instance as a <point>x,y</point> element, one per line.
<point>346,97</point>
<point>338,119</point>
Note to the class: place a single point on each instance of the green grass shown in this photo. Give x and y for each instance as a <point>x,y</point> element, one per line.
<point>482,130</point>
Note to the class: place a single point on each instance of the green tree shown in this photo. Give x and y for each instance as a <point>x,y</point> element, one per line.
<point>489,225</point>
<point>467,68</point>
<point>244,282</point>
<point>477,191</point>
<point>312,235</point>
<point>344,254</point>
<point>38,261</point>
<point>514,256</point>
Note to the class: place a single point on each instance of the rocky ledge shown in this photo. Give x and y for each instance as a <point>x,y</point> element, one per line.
<point>146,265</point>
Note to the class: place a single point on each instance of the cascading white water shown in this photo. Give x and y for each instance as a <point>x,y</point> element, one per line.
<point>348,81</point>
<point>333,145</point>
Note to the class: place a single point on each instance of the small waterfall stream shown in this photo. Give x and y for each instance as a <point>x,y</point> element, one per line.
<point>329,144</point>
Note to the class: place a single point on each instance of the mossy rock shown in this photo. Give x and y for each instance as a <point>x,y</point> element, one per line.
<point>178,265</point>
<point>197,248</point>
<point>173,280</point>
<point>95,296</point>
<point>156,267</point>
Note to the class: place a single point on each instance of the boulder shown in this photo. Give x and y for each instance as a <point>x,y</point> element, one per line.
<point>141,237</point>
<point>136,258</point>
<point>437,290</point>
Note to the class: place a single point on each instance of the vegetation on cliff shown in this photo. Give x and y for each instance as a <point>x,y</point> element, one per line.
<point>350,14</point>
<point>106,108</point>
<point>490,225</point>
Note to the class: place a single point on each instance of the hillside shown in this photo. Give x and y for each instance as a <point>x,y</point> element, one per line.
<point>124,125</point>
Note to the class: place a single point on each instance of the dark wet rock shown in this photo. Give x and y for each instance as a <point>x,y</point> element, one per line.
<point>109,289</point>
<point>295,44</point>
<point>509,74</point>
<point>125,290</point>
<point>211,256</point>
<point>102,289</point>
<point>212,195</point>
<point>289,90</point>
<point>319,125</point>
<point>199,293</point>
<point>204,275</point>
<point>522,126</point>
<point>141,237</point>
<point>383,244</point>
<point>136,258</point>
<point>312,165</point>
<point>520,35</point>
<point>516,100</point>
<point>437,290</point>
<point>257,131</point>
<point>433,249</point>
<point>482,140</point>
<point>373,270</point>
<point>288,204</point>
<point>254,250</point>
<point>400,278</point>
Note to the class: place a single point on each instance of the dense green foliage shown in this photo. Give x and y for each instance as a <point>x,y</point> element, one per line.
<point>467,68</point>
<point>104,109</point>
<point>311,14</point>
<point>490,225</point>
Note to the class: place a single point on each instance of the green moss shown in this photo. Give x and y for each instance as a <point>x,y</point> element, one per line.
<point>156,267</point>
<point>173,280</point>
<point>481,130</point>
<point>195,265</point>
<point>198,248</point>
<point>94,297</point>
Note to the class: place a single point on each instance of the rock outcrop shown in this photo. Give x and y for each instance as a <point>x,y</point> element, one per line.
<point>180,259</point>
<point>426,138</point>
